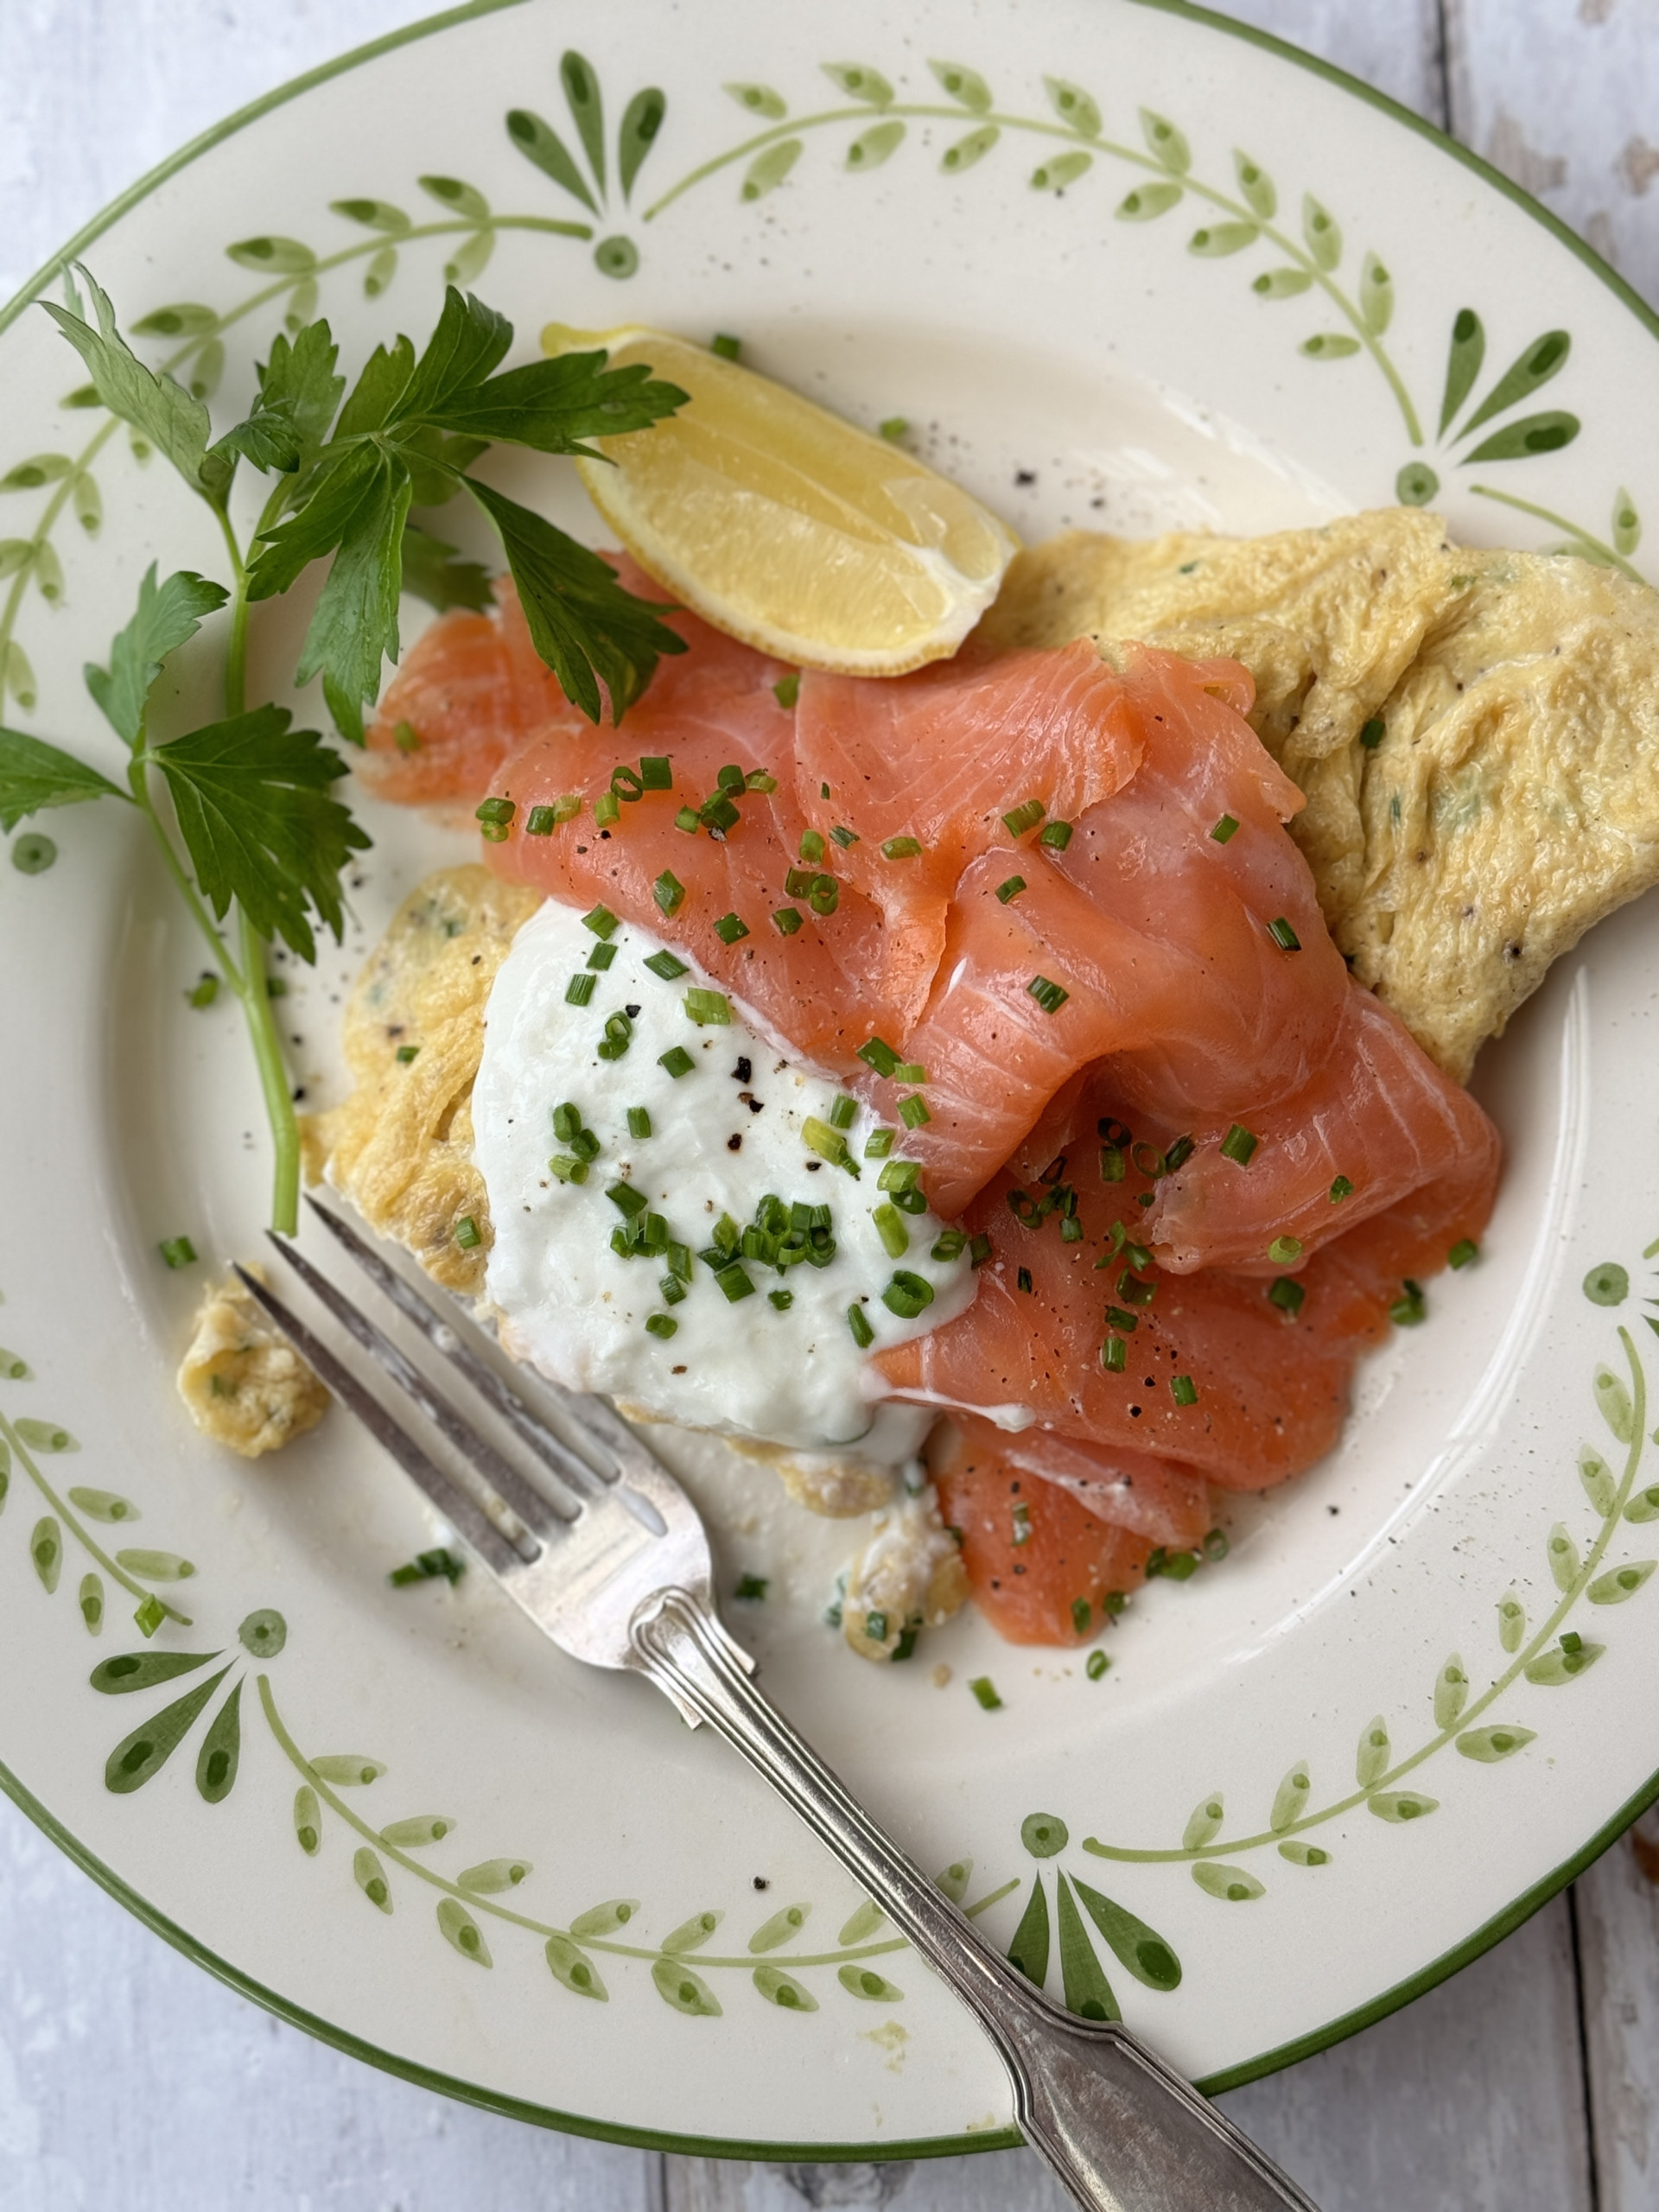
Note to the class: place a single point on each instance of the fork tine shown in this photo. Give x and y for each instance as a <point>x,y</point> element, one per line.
<point>440,1332</point>
<point>469,1520</point>
<point>544,1517</point>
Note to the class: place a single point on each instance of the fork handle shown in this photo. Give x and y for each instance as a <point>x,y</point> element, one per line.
<point>1122,2131</point>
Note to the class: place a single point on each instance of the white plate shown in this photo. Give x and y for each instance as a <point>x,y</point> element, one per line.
<point>883,230</point>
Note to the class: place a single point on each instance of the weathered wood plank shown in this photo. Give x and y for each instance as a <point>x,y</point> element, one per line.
<point>1396,46</point>
<point>1563,96</point>
<point>1618,1947</point>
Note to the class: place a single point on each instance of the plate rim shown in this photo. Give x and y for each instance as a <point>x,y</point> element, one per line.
<point>1474,1945</point>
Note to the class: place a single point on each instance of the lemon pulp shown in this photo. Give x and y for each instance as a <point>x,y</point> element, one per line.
<point>785,526</point>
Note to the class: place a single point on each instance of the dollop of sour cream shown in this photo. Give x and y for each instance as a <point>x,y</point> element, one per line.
<point>691,1327</point>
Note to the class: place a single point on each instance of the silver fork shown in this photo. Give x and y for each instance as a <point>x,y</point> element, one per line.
<point>612,1563</point>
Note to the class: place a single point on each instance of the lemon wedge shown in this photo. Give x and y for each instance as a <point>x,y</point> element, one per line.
<point>783,525</point>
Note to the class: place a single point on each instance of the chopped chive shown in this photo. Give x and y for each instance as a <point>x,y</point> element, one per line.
<point>899,1175</point>
<point>910,1071</point>
<point>676,1060</point>
<point>679,1261</point>
<point>979,1249</point>
<point>877,1053</point>
<point>1216,1546</point>
<point>1226,828</point>
<point>730,928</point>
<point>672,1288</point>
<point>1462,1252</point>
<point>568,1167</point>
<point>734,1283</point>
<point>584,1144</point>
<point>1050,997</point>
<point>829,1144</point>
<point>823,791</point>
<point>690,820</point>
<point>177,1251</point>
<point>751,1587</point>
<point>1025,817</point>
<point>656,772</point>
<point>729,779</point>
<point>985,1690</point>
<point>1113,1165</point>
<point>567,1121</point>
<point>205,991</point>
<point>601,920</point>
<point>628,783</point>
<point>669,892</point>
<point>1184,1391</point>
<point>440,1565</point>
<point>1341,1189</point>
<point>875,1626</point>
<point>786,920</point>
<point>1572,1642</point>
<point>950,1244</point>
<point>497,810</point>
<point>579,989</point>
<point>660,1325</point>
<point>1096,1665</point>
<point>783,1299</point>
<point>901,849</point>
<point>1023,1278</point>
<point>863,1334</point>
<point>1114,1355</point>
<point>708,1009</point>
<point>601,957</point>
<point>1011,889</point>
<point>798,882</point>
<point>1071,1230</point>
<point>1082,1613</point>
<point>1057,835</point>
<point>890,1227</point>
<point>1133,1292</point>
<point>406,1053</point>
<point>608,810</point>
<point>913,1111</point>
<point>894,426</point>
<point>626,1200</point>
<point>1138,1256</point>
<point>1286,1292</point>
<point>1373,732</point>
<point>842,1112</point>
<point>1282,935</point>
<point>824,896</point>
<point>1284,1250</point>
<point>729,348</point>
<point>493,833</point>
<point>878,1143</point>
<point>467,1234</point>
<point>638,1122</point>
<point>619,1036</point>
<point>1239,1144</point>
<point>1117,1319</point>
<point>812,849</point>
<point>759,780</point>
<point>538,822</point>
<point>1177,1154</point>
<point>406,738</point>
<point>1410,1307</point>
<point>844,837</point>
<point>787,689</point>
<point>566,806</point>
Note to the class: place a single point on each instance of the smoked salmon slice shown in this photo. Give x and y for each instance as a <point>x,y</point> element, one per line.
<point>1041,1565</point>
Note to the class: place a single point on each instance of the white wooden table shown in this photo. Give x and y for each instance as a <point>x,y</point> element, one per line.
<point>1530,2083</point>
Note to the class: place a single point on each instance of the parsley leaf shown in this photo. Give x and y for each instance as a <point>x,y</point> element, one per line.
<point>470,338</point>
<point>299,382</point>
<point>376,392</point>
<point>582,622</point>
<point>252,798</point>
<point>552,406</point>
<point>176,423</point>
<point>33,775</point>
<point>433,572</point>
<point>355,625</point>
<point>168,614</point>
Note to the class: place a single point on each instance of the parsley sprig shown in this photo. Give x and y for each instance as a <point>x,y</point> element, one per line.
<point>252,828</point>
